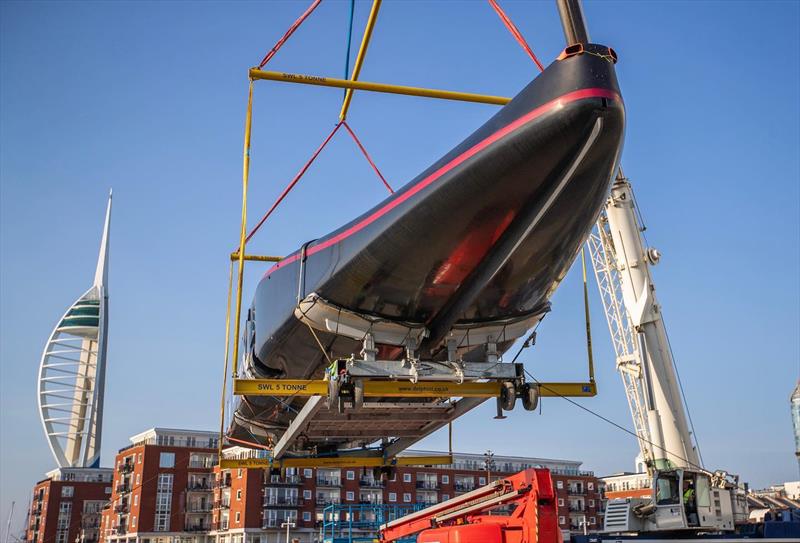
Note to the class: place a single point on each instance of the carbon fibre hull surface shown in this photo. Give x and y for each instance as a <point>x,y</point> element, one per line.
<point>483,236</point>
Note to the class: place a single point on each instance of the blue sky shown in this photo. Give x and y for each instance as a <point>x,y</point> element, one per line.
<point>149,98</point>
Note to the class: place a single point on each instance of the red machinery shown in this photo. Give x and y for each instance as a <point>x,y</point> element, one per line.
<point>459,520</point>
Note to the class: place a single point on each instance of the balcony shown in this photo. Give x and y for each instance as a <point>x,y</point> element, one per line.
<point>223,525</point>
<point>123,488</point>
<point>428,485</point>
<point>222,504</point>
<point>90,523</point>
<point>126,467</point>
<point>198,508</point>
<point>370,500</point>
<point>464,487</point>
<point>287,480</point>
<point>324,481</point>
<point>576,509</point>
<point>328,500</point>
<point>199,486</point>
<point>196,528</point>
<point>273,501</point>
<point>203,463</point>
<point>370,482</point>
<point>121,530</point>
<point>225,482</point>
<point>121,508</point>
<point>576,490</point>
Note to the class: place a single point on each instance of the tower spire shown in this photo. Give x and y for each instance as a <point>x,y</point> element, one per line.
<point>101,274</point>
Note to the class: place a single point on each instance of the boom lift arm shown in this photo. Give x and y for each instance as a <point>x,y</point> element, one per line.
<point>534,519</point>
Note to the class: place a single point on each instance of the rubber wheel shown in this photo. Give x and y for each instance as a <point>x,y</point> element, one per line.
<point>530,397</point>
<point>508,396</point>
<point>358,394</point>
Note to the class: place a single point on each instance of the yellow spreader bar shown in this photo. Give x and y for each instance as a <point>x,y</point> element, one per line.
<point>377,87</point>
<point>401,389</point>
<point>336,461</point>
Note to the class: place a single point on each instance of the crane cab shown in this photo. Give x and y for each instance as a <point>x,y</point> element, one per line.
<point>679,500</point>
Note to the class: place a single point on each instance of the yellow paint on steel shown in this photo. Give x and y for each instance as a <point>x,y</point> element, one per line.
<point>401,389</point>
<point>588,319</point>
<point>248,122</point>
<point>362,52</point>
<point>336,462</point>
<point>575,390</point>
<point>227,353</point>
<point>280,387</point>
<point>377,87</point>
<point>257,258</point>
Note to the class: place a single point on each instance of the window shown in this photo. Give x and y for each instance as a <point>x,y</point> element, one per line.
<point>308,473</point>
<point>481,481</point>
<point>108,490</point>
<point>306,494</point>
<point>667,489</point>
<point>407,497</point>
<point>238,517</point>
<point>138,478</point>
<point>239,473</point>
<point>163,501</point>
<point>67,491</point>
<point>561,520</point>
<point>590,486</point>
<point>445,497</point>
<point>133,521</point>
<point>445,479</point>
<point>166,460</point>
<point>592,520</point>
<point>349,496</point>
<point>559,484</point>
<point>351,475</point>
<point>394,476</point>
<point>239,495</point>
<point>306,516</point>
<point>135,499</point>
<point>392,496</point>
<point>591,503</point>
<point>139,458</point>
<point>561,502</point>
<point>406,477</point>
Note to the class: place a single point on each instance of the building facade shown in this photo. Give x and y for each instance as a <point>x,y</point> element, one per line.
<point>162,488</point>
<point>66,506</point>
<point>254,506</point>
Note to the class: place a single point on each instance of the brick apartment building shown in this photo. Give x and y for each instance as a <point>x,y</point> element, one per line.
<point>66,506</point>
<point>162,488</point>
<point>251,505</point>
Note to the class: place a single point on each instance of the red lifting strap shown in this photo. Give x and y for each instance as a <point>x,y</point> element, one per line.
<point>293,182</point>
<point>289,32</point>
<point>307,165</point>
<point>515,32</point>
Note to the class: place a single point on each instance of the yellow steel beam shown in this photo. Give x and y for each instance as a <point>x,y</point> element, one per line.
<point>576,390</point>
<point>377,87</point>
<point>362,52</point>
<point>248,124</point>
<point>336,462</point>
<point>401,389</point>
<point>257,258</point>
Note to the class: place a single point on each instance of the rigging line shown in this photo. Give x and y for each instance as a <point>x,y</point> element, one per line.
<point>366,155</point>
<point>683,395</point>
<point>288,33</point>
<point>611,422</point>
<point>515,32</point>
<point>227,352</point>
<point>362,52</point>
<point>349,43</point>
<point>293,182</point>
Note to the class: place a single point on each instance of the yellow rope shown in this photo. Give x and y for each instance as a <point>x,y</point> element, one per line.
<point>225,371</point>
<point>588,320</point>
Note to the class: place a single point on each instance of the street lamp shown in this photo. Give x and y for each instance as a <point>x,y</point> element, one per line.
<point>488,464</point>
<point>288,524</point>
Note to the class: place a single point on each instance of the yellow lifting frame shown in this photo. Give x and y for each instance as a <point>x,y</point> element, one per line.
<point>335,462</point>
<point>401,389</point>
<point>321,81</point>
<point>362,52</point>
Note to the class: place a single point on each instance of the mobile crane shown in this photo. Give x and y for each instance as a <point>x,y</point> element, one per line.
<point>534,518</point>
<point>674,492</point>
